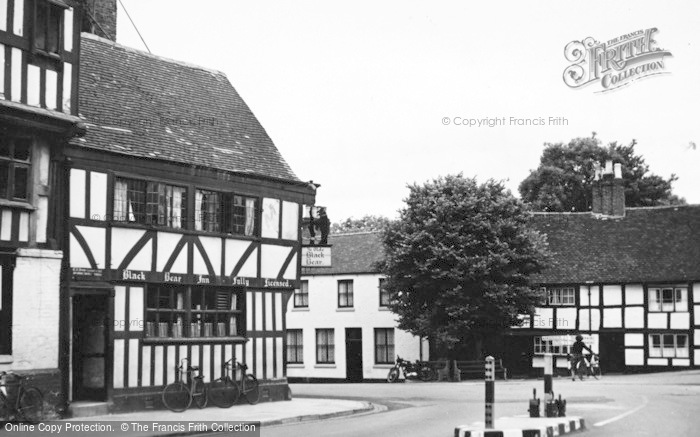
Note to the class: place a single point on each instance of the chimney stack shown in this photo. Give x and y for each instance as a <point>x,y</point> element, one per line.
<point>99,17</point>
<point>608,190</point>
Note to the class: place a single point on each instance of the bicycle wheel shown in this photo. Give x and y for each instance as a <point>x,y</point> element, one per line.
<point>393,375</point>
<point>177,397</point>
<point>4,409</point>
<point>595,371</point>
<point>251,390</point>
<point>581,370</point>
<point>223,392</point>
<point>199,393</point>
<point>31,405</point>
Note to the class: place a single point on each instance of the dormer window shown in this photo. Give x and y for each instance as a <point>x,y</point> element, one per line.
<point>48,24</point>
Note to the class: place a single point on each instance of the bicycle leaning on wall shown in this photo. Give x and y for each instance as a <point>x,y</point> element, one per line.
<point>225,391</point>
<point>18,400</point>
<point>188,387</point>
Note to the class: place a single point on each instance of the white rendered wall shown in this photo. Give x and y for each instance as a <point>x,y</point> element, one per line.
<point>323,312</point>
<point>35,316</point>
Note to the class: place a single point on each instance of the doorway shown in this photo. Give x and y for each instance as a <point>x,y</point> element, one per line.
<point>611,347</point>
<point>353,354</point>
<point>90,346</point>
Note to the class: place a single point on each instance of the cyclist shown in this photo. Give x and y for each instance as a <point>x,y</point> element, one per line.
<point>577,355</point>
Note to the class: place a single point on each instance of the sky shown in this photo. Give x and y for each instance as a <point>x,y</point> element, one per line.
<point>366,97</point>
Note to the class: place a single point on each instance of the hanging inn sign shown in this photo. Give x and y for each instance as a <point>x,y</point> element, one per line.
<point>315,251</point>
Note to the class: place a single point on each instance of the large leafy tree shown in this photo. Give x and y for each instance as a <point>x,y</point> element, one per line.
<point>458,262</point>
<point>364,224</point>
<point>563,181</point>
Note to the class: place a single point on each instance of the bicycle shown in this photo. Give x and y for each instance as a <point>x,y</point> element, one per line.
<point>179,395</point>
<point>28,401</point>
<point>225,391</point>
<point>590,367</point>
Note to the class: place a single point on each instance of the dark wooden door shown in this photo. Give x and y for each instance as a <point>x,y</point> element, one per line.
<point>612,352</point>
<point>353,354</point>
<point>90,346</point>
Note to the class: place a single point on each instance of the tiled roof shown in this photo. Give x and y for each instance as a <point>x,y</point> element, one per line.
<point>351,253</point>
<point>138,104</point>
<point>647,245</point>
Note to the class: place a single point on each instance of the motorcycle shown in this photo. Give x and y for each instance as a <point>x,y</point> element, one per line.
<point>417,370</point>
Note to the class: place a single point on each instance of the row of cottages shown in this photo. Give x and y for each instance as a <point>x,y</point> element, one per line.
<point>339,325</point>
<point>628,279</point>
<point>39,54</point>
<point>169,230</point>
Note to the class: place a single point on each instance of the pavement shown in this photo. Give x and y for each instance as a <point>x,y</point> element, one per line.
<point>199,421</point>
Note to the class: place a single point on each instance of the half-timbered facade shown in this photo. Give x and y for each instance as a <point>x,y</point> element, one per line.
<point>183,231</point>
<point>627,279</point>
<point>39,52</point>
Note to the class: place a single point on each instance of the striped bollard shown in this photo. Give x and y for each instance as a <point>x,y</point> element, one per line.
<point>489,377</point>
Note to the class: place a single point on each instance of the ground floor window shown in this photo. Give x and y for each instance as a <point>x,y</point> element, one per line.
<point>558,345</point>
<point>668,345</point>
<point>384,345</point>
<point>295,346</point>
<point>191,311</point>
<point>325,346</point>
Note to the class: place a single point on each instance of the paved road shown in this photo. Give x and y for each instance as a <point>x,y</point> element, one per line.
<point>624,405</point>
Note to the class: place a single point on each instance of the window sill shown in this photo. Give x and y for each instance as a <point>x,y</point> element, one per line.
<point>6,359</point>
<point>342,310</point>
<point>301,309</point>
<point>178,340</point>
<point>295,365</point>
<point>17,204</point>
<point>325,366</point>
<point>383,366</point>
<point>384,309</point>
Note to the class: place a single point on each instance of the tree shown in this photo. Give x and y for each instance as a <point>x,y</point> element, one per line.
<point>365,224</point>
<point>563,181</point>
<point>458,262</point>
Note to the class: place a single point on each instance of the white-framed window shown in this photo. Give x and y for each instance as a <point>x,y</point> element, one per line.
<point>345,294</point>
<point>301,295</point>
<point>384,295</point>
<point>561,295</point>
<point>668,346</point>
<point>551,346</point>
<point>383,345</point>
<point>295,346</point>
<point>668,299</point>
<point>325,346</point>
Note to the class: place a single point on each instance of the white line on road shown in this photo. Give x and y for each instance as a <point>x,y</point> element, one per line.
<point>618,417</point>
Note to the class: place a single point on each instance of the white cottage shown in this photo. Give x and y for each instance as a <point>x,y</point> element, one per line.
<point>339,326</point>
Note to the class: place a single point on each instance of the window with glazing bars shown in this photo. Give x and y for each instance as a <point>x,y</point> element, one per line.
<point>225,212</point>
<point>325,346</point>
<point>15,167</point>
<point>301,295</point>
<point>384,345</point>
<point>295,346</point>
<point>153,203</point>
<point>345,294</point>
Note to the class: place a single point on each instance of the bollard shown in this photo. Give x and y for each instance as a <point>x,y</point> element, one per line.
<point>550,409</point>
<point>561,407</point>
<point>489,377</point>
<point>534,404</point>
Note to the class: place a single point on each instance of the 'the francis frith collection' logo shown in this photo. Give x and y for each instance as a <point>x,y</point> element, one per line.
<point>615,63</point>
